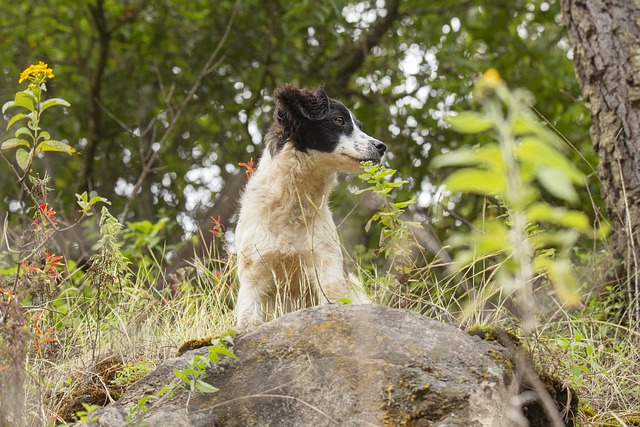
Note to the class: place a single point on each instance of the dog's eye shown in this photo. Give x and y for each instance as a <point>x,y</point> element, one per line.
<point>339,120</point>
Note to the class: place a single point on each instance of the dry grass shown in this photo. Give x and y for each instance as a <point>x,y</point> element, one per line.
<point>146,324</point>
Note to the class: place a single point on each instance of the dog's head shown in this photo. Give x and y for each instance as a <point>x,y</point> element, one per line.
<point>310,120</point>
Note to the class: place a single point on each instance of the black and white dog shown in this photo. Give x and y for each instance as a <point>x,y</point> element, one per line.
<point>289,254</point>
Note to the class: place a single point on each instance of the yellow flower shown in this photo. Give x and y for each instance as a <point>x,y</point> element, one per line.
<point>492,75</point>
<point>36,73</point>
<point>487,85</point>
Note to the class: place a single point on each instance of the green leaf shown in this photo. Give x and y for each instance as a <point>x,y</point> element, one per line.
<point>22,131</point>
<point>490,239</point>
<point>23,157</point>
<point>561,275</point>
<point>205,387</point>
<point>558,184</point>
<point>488,154</point>
<point>180,375</point>
<point>478,181</point>
<point>7,105</point>
<point>225,351</point>
<point>560,238</point>
<point>541,155</point>
<point>526,124</point>
<point>44,135</point>
<point>469,122</point>
<point>463,156</point>
<point>53,145</point>
<point>15,118</point>
<point>13,143</point>
<point>25,100</point>
<point>52,102</point>
<point>542,212</point>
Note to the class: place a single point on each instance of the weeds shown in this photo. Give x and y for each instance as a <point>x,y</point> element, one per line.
<point>62,320</point>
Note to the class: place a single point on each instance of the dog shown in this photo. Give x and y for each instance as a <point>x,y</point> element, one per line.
<point>289,254</point>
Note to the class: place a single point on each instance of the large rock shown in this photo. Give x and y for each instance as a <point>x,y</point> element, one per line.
<point>339,365</point>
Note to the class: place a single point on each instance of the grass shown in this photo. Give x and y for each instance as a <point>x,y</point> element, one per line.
<point>141,324</point>
<point>101,329</point>
<point>579,346</point>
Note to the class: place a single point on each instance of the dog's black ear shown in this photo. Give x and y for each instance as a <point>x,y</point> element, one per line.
<point>294,105</point>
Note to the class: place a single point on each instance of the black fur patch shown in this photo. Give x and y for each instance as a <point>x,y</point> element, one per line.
<point>309,119</point>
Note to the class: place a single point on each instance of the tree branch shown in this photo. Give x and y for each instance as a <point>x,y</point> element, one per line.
<point>206,69</point>
<point>361,49</point>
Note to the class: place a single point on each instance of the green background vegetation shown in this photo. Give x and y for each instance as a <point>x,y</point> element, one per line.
<point>168,97</point>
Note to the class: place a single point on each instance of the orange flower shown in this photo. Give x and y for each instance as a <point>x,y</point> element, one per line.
<point>51,262</point>
<point>249,166</point>
<point>48,213</point>
<point>217,227</point>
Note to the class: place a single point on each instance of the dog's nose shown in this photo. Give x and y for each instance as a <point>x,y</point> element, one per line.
<point>380,146</point>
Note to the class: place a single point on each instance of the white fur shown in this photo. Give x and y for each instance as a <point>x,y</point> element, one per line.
<point>289,254</point>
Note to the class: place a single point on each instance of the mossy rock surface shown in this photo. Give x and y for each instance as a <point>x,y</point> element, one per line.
<point>339,365</point>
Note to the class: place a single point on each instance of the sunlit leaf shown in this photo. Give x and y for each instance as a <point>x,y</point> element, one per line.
<point>205,387</point>
<point>561,275</point>
<point>53,145</point>
<point>530,125</point>
<point>22,131</point>
<point>476,181</point>
<point>25,100</point>
<point>52,102</point>
<point>15,118</point>
<point>491,238</point>
<point>7,105</point>
<point>488,154</point>
<point>13,143</point>
<point>542,212</point>
<point>44,135</point>
<point>558,184</point>
<point>470,122</point>
<point>537,152</point>
<point>559,238</point>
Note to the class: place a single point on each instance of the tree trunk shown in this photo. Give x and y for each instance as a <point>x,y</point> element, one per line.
<point>605,35</point>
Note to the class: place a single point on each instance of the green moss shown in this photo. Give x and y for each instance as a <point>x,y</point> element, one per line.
<point>502,360</point>
<point>412,401</point>
<point>132,372</point>
<point>194,344</point>
<point>632,420</point>
<point>505,337</point>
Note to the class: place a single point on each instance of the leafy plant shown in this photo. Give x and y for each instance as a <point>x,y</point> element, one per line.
<point>32,139</point>
<point>532,236</point>
<point>189,376</point>
<point>395,236</point>
<point>85,415</point>
<point>198,365</point>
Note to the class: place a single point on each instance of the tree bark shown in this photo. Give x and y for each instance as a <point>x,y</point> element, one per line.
<point>605,35</point>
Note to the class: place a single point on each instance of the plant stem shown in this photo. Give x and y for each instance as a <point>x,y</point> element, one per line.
<point>515,194</point>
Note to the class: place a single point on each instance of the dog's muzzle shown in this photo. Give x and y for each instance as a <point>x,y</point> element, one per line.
<point>379,148</point>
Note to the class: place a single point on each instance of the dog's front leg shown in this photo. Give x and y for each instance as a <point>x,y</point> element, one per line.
<point>249,310</point>
<point>333,284</point>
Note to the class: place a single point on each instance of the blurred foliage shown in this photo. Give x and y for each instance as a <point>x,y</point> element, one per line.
<point>126,66</point>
